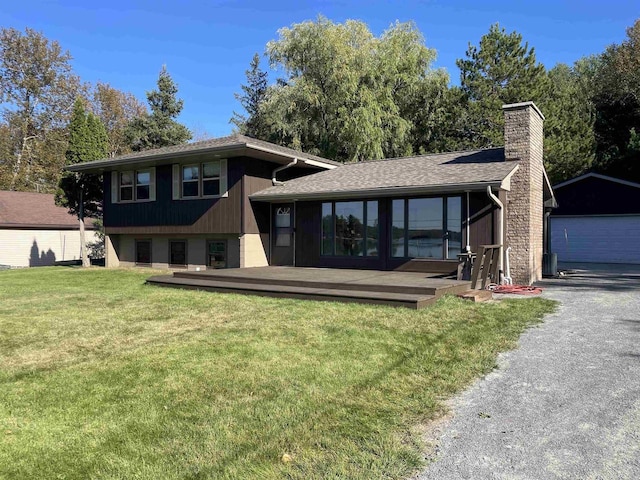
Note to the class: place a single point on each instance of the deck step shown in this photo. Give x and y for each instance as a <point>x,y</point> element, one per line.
<point>396,299</point>
<point>437,288</point>
<point>477,295</point>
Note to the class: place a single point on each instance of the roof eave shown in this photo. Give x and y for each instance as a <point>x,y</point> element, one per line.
<point>100,166</point>
<point>380,192</point>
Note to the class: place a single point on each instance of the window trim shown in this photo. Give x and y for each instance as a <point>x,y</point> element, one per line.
<point>186,253</point>
<point>139,240</point>
<point>178,183</point>
<point>116,186</point>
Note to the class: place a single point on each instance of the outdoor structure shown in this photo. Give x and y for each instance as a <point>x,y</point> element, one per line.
<point>597,221</point>
<point>240,202</point>
<point>35,232</point>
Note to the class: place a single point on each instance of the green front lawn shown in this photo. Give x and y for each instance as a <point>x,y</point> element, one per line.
<point>104,377</point>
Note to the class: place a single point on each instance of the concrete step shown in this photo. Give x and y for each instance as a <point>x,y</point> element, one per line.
<point>395,299</point>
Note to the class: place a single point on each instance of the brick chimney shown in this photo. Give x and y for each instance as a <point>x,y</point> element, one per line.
<point>523,143</point>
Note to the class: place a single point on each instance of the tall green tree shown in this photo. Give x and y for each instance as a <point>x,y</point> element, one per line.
<point>346,94</point>
<point>82,193</point>
<point>160,127</point>
<point>569,144</point>
<point>501,69</point>
<point>252,99</point>
<point>617,100</point>
<point>37,90</point>
<point>116,109</point>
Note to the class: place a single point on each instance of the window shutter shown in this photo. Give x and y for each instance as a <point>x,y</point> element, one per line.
<point>223,178</point>
<point>176,182</point>
<point>152,184</point>
<point>114,187</point>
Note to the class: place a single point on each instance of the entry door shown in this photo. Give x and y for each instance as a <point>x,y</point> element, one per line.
<point>282,234</point>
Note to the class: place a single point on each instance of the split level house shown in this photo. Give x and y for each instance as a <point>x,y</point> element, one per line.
<point>238,202</point>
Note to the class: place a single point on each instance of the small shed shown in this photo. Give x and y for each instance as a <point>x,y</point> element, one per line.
<point>597,220</point>
<point>34,231</point>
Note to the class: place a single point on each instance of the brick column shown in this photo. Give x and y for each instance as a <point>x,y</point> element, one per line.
<point>523,143</point>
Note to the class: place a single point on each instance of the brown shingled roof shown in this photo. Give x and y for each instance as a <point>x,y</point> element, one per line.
<point>35,210</point>
<point>230,142</point>
<point>453,170</point>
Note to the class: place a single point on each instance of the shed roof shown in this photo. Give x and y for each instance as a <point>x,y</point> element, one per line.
<point>35,210</point>
<point>470,170</point>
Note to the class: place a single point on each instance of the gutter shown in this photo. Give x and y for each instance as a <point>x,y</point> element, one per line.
<point>376,192</point>
<point>279,169</point>
<point>499,204</point>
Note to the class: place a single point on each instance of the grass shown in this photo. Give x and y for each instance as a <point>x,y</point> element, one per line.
<point>104,377</point>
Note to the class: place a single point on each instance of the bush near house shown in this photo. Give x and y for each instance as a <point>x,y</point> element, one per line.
<point>105,377</point>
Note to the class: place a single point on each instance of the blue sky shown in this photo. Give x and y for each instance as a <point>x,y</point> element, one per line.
<point>207,45</point>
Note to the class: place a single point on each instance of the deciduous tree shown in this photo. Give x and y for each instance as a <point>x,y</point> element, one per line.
<point>116,109</point>
<point>617,100</point>
<point>569,144</point>
<point>346,94</point>
<point>37,88</point>
<point>82,193</point>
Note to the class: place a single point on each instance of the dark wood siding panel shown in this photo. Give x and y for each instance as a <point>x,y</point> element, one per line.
<point>257,177</point>
<point>307,233</point>
<point>481,225</point>
<point>218,215</point>
<point>256,214</point>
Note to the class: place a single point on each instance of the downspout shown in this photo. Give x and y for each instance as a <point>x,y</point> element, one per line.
<point>279,169</point>
<point>468,219</point>
<point>499,204</point>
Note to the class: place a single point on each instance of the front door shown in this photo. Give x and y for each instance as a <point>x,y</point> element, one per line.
<point>282,234</point>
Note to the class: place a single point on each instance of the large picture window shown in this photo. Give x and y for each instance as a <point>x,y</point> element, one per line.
<point>350,228</point>
<point>426,227</point>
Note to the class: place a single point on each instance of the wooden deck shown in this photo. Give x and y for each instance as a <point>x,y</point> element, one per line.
<point>399,289</point>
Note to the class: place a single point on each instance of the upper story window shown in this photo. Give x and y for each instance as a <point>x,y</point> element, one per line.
<point>202,180</point>
<point>133,186</point>
<point>191,181</point>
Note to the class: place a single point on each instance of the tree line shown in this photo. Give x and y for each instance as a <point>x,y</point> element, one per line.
<point>348,95</point>
<point>42,102</point>
<point>343,93</point>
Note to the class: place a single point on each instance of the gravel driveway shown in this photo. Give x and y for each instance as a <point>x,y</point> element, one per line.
<point>566,403</point>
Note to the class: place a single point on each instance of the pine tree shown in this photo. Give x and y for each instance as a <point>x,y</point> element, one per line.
<point>159,128</point>
<point>82,193</point>
<point>252,98</point>
<point>501,70</point>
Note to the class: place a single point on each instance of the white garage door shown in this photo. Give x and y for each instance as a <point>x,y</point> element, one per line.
<point>609,239</point>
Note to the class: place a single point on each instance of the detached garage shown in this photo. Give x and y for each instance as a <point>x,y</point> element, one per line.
<point>35,232</point>
<point>597,220</point>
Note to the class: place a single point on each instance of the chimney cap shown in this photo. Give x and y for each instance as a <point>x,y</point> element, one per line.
<point>522,106</point>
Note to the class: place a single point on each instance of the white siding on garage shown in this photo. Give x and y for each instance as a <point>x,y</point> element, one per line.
<point>33,248</point>
<point>596,239</point>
